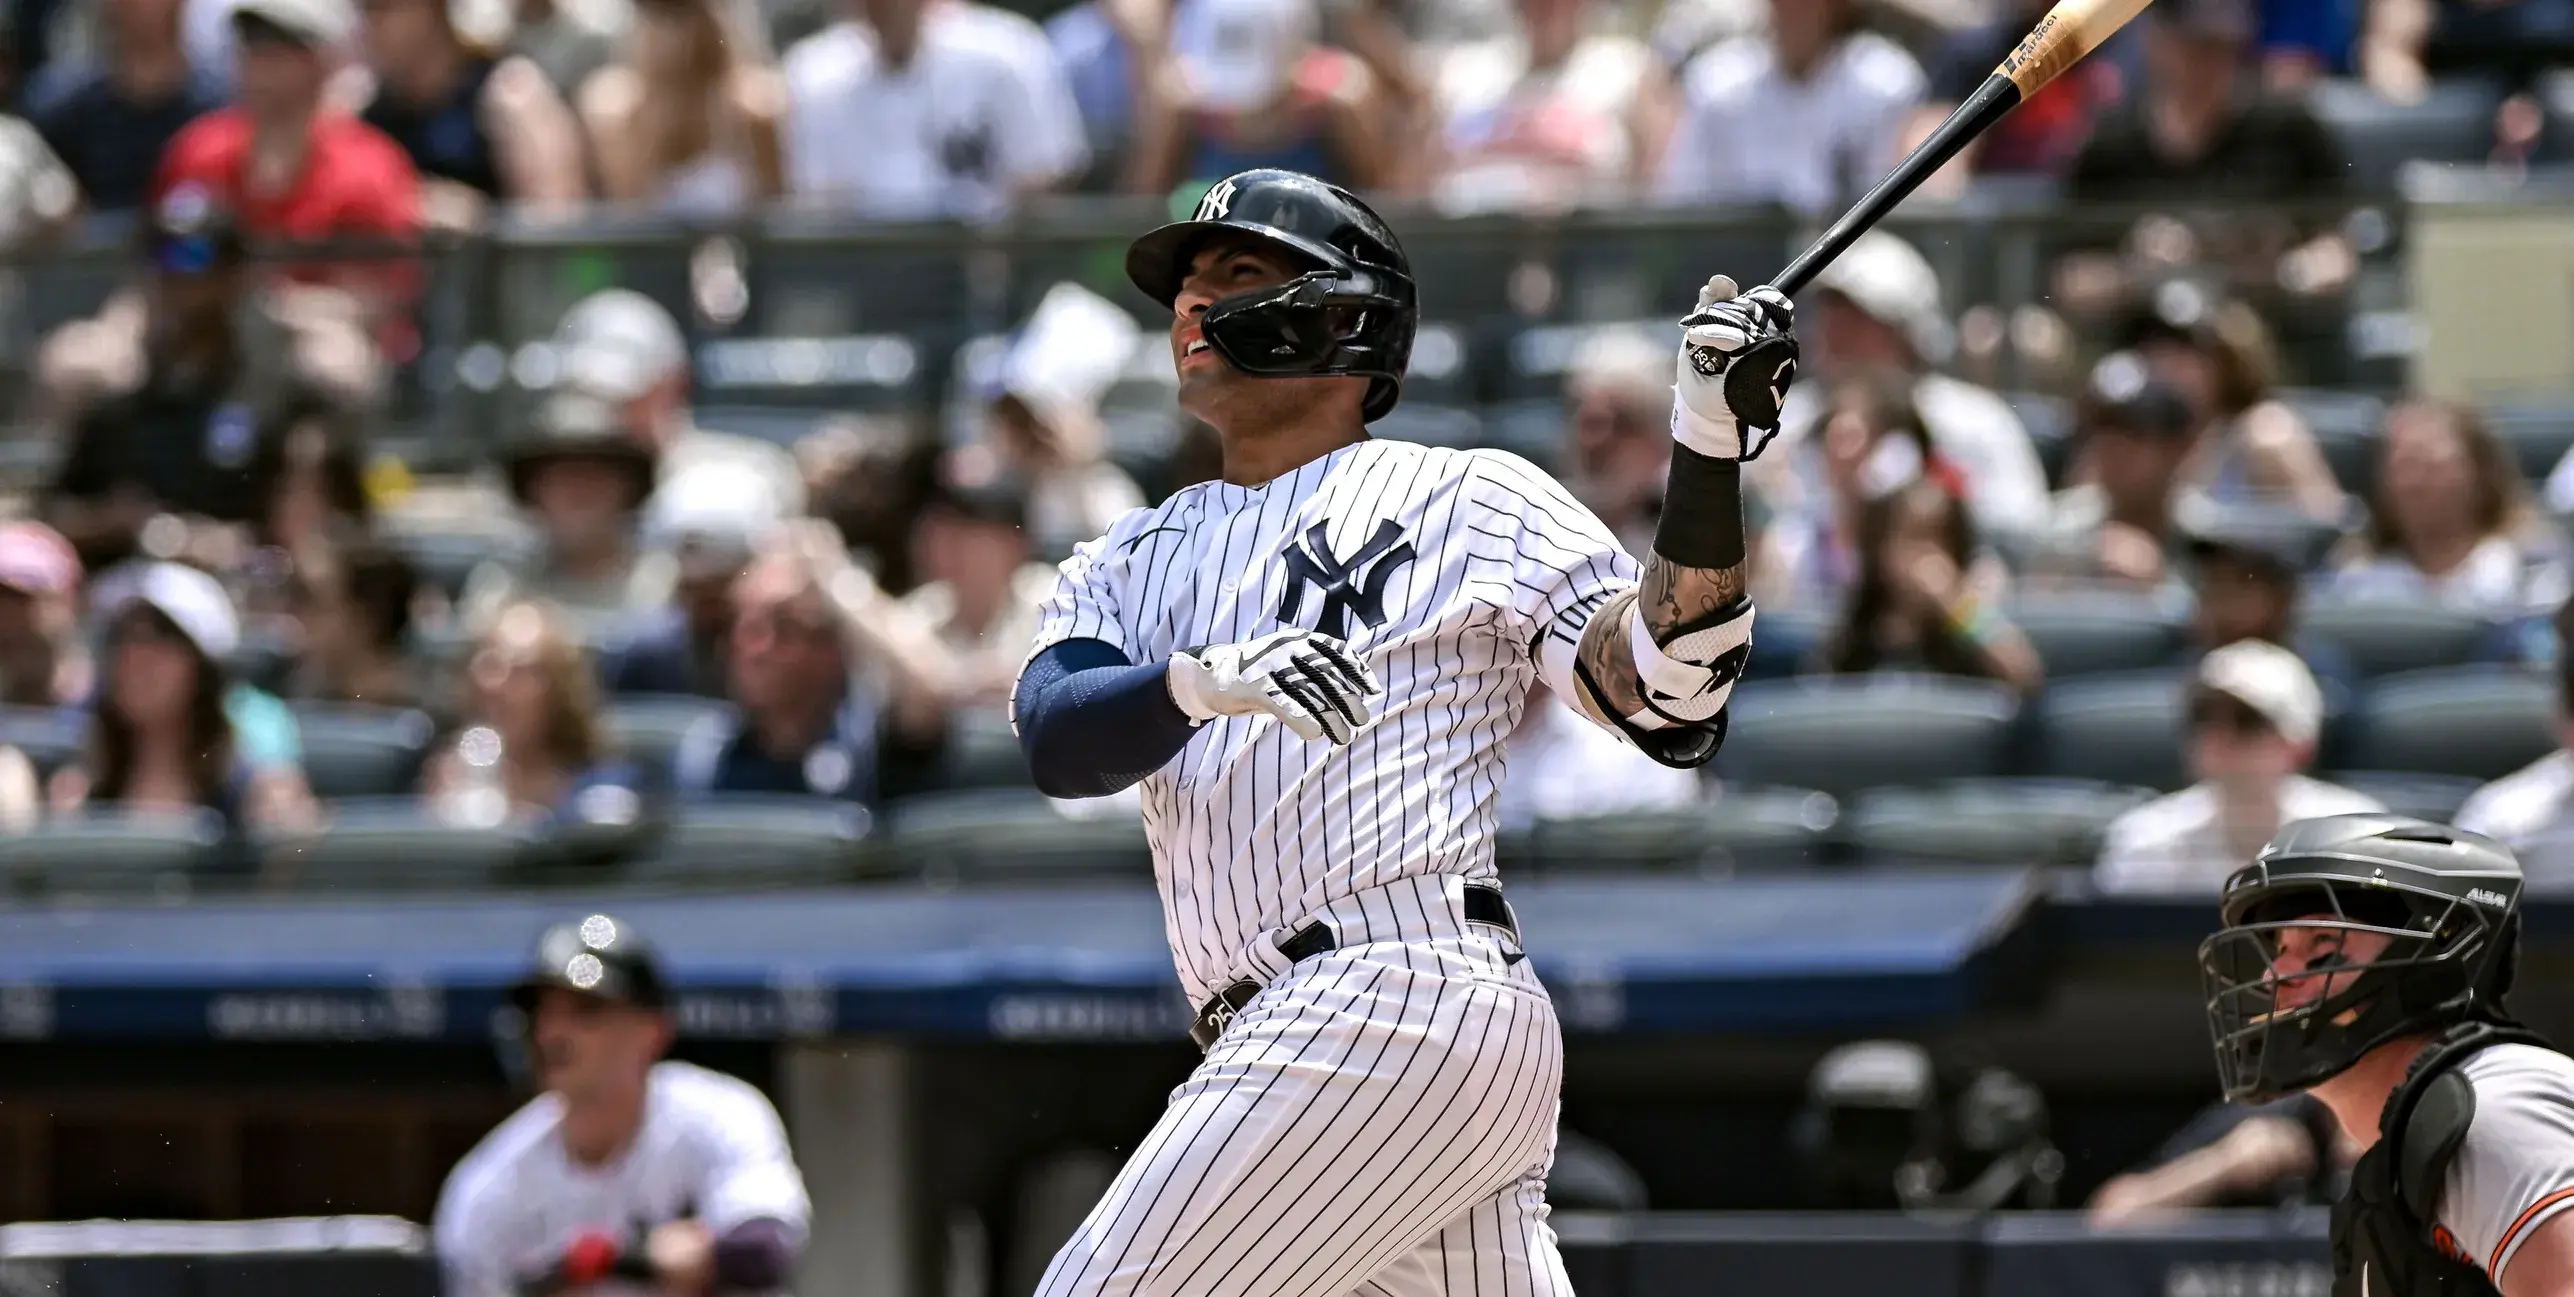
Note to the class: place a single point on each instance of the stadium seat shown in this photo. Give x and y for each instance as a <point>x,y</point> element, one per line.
<point>445,558</point>
<point>1840,734</point>
<point>1786,641</point>
<point>983,752</point>
<point>2388,637</point>
<point>105,854</point>
<point>2115,729</point>
<point>2049,420</point>
<point>2056,822</point>
<point>2538,431</point>
<point>2345,425</point>
<point>1532,428</point>
<point>375,844</point>
<point>1745,827</point>
<point>743,841</point>
<point>50,736</point>
<point>2453,123</point>
<point>2428,797</point>
<point>2089,634</point>
<point>1430,425</point>
<point>650,727</point>
<point>352,750</point>
<point>1008,833</point>
<point>2478,722</point>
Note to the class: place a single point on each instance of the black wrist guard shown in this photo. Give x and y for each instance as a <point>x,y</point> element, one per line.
<point>1702,511</point>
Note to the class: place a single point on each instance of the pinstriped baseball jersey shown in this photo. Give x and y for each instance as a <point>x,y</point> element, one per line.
<point>1458,575</point>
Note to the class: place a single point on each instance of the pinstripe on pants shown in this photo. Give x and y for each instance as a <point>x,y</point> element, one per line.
<point>1378,1121</point>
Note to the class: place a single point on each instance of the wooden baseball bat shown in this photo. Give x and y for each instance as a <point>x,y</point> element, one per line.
<point>2070,30</point>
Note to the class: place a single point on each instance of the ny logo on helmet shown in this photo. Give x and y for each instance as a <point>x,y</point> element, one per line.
<point>1218,203</point>
<point>1352,585</point>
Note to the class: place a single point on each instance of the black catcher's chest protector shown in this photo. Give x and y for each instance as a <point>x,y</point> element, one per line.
<point>2386,1240</point>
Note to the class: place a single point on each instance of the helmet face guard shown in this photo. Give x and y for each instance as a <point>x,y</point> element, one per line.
<point>2445,959</point>
<point>1319,323</point>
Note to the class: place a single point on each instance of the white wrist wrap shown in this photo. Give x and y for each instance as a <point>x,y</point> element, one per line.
<point>1688,683</point>
<point>1714,438</point>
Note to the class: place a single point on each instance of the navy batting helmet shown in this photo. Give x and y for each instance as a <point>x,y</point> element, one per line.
<point>597,955</point>
<point>1353,311</point>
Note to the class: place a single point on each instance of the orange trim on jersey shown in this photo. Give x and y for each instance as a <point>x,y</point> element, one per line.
<point>2493,1267</point>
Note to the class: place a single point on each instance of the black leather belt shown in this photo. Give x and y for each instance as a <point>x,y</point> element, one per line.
<point>1483,903</point>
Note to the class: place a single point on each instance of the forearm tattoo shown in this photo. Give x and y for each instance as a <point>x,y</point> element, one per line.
<point>1670,597</point>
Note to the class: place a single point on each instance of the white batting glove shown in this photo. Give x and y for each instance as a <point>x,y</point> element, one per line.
<point>1311,682</point>
<point>1738,356</point>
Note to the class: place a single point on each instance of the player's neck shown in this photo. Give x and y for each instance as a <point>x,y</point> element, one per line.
<point>2357,1094</point>
<point>599,1127</point>
<point>1260,456</point>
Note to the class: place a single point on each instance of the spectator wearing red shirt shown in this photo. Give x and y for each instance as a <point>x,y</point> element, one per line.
<point>289,166</point>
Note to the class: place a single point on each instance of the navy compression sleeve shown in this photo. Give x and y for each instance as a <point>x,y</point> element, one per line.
<point>1092,722</point>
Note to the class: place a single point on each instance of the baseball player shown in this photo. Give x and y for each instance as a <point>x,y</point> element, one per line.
<point>2364,960</point>
<point>630,1174</point>
<point>1312,667</point>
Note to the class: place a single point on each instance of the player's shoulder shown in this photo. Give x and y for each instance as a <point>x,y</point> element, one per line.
<point>1501,468</point>
<point>702,1098</point>
<point>2521,1073</point>
<point>493,1164</point>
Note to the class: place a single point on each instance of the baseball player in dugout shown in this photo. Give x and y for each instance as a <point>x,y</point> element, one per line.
<point>630,1174</point>
<point>1312,667</point>
<point>2364,959</point>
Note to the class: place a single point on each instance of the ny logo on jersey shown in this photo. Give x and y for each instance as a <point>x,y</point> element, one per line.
<point>1352,585</point>
<point>1218,203</point>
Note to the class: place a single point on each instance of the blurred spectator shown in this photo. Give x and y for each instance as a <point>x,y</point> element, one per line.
<point>352,609</point>
<point>567,40</point>
<point>2255,716</point>
<point>2045,133</point>
<point>2402,42</point>
<point>1872,444</point>
<point>1248,85</point>
<point>174,394</point>
<point>1550,115</point>
<point>687,119</point>
<point>2132,437</point>
<point>109,120</point>
<point>2304,41</point>
<point>2289,1151</point>
<point>837,691</point>
<point>2247,568</point>
<point>926,108</point>
<point>2202,133</point>
<point>532,747</point>
<point>288,163</point>
<point>702,528</point>
<point>1562,766</point>
<point>867,475</point>
<point>480,130</point>
<point>1618,432</point>
<point>162,736</point>
<point>1686,28</point>
<point>2452,523</point>
<point>2218,356</point>
<point>309,489</point>
<point>1877,307</point>
<point>42,661</point>
<point>1095,43</point>
<point>1914,607</point>
<point>582,481</point>
<point>1809,115</point>
<point>1044,421</point>
<point>621,347</point>
<point>2531,810</point>
<point>979,593</point>
<point>39,199</point>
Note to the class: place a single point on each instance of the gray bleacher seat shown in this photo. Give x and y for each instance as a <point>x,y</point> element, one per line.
<point>395,844</point>
<point>2049,420</point>
<point>2555,91</point>
<point>1430,425</point>
<point>983,752</point>
<point>2391,636</point>
<point>2480,722</point>
<point>50,736</point>
<point>775,424</point>
<point>1009,833</point>
<point>2537,430</point>
<point>2118,729</point>
<point>742,841</point>
<point>352,750</point>
<point>2345,425</point>
<point>650,726</point>
<point>2034,821</point>
<point>2453,123</point>
<point>1532,428</point>
<point>106,854</point>
<point>1840,734</point>
<point>1787,640</point>
<point>2428,797</point>
<point>445,558</point>
<point>1745,826</point>
<point>2091,633</point>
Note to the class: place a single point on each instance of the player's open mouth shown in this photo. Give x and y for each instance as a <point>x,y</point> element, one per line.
<point>1193,348</point>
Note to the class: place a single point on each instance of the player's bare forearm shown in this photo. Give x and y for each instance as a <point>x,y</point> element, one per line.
<point>1670,597</point>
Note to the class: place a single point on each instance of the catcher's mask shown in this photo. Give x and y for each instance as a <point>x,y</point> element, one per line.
<point>2295,992</point>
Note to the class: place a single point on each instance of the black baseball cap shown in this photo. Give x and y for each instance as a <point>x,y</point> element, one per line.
<point>2123,393</point>
<point>598,956</point>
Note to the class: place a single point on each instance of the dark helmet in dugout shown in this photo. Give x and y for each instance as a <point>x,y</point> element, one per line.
<point>2446,900</point>
<point>598,956</point>
<point>1352,311</point>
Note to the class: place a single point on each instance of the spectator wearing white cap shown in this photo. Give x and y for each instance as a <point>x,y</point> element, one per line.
<point>621,347</point>
<point>701,529</point>
<point>1877,307</point>
<point>929,108</point>
<point>1806,116</point>
<point>687,119</point>
<point>1043,420</point>
<point>1247,84</point>
<point>161,735</point>
<point>1553,113</point>
<point>2255,716</point>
